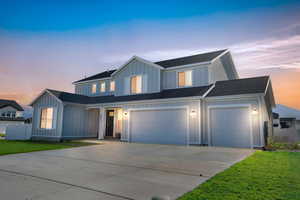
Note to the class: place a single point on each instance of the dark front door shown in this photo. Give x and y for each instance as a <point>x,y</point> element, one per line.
<point>109,123</point>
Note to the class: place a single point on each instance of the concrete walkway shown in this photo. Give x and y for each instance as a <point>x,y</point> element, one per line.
<point>112,171</point>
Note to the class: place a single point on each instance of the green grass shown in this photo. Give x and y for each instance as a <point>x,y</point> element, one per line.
<point>262,176</point>
<point>12,147</point>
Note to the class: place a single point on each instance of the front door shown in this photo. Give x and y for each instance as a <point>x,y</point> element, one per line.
<point>109,123</point>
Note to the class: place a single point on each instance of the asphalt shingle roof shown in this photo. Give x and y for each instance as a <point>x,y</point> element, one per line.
<point>12,103</point>
<point>240,86</point>
<point>105,74</point>
<point>170,93</point>
<point>204,57</point>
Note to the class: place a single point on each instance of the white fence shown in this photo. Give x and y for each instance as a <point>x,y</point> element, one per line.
<point>18,132</point>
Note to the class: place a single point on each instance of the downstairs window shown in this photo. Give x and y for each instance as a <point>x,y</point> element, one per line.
<point>46,120</point>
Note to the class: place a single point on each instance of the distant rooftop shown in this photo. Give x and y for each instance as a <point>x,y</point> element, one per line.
<point>12,103</point>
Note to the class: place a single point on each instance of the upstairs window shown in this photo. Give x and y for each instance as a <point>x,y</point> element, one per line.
<point>102,86</point>
<point>112,86</point>
<point>94,88</point>
<point>46,118</point>
<point>136,84</point>
<point>185,79</point>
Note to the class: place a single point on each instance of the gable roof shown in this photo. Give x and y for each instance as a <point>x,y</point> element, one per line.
<point>199,58</point>
<point>101,75</point>
<point>12,103</point>
<point>240,86</point>
<point>138,59</point>
<point>170,93</point>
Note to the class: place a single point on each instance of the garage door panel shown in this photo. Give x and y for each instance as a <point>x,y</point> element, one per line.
<point>230,127</point>
<point>158,126</point>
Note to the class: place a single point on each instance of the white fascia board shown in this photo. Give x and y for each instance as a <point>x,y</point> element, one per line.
<point>219,56</point>
<point>240,96</point>
<point>169,100</point>
<point>208,91</point>
<point>136,58</point>
<point>185,66</point>
<point>99,79</point>
<point>40,94</point>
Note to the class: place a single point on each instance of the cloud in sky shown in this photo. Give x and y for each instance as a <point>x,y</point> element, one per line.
<point>263,41</point>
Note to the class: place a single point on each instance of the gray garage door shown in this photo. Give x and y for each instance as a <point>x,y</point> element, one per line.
<point>230,127</point>
<point>158,126</point>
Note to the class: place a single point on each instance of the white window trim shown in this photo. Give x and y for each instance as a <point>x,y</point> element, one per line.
<point>54,118</point>
<point>100,86</point>
<point>94,92</point>
<point>177,81</point>
<point>112,81</point>
<point>130,77</point>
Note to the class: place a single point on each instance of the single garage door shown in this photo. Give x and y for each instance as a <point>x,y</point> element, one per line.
<point>167,126</point>
<point>230,127</point>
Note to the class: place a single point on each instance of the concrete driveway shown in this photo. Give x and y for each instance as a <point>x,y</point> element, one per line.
<point>112,171</point>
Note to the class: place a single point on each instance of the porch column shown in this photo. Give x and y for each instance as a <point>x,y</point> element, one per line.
<point>101,123</point>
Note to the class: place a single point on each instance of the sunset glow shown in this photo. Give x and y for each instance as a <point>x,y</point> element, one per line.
<point>58,43</point>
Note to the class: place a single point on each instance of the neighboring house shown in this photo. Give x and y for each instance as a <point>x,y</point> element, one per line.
<point>11,113</point>
<point>286,124</point>
<point>193,100</point>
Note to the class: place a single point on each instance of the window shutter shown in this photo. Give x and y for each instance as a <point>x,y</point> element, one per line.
<point>145,83</point>
<point>127,85</point>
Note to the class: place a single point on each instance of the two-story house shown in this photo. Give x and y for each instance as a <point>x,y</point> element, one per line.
<point>11,113</point>
<point>193,100</point>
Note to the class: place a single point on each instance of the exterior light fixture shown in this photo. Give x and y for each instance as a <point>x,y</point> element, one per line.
<point>254,111</point>
<point>193,113</point>
<point>125,114</point>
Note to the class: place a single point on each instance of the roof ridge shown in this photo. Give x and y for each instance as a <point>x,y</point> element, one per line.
<point>223,50</point>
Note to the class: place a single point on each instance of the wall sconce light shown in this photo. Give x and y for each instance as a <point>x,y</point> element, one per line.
<point>193,113</point>
<point>125,114</point>
<point>254,111</point>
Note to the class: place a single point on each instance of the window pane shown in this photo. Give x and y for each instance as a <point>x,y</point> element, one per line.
<point>181,79</point>
<point>46,118</point>
<point>188,78</point>
<point>133,84</point>
<point>94,88</point>
<point>138,84</point>
<point>102,86</point>
<point>112,86</point>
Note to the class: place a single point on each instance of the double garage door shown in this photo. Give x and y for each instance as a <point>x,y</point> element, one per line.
<point>159,126</point>
<point>230,127</point>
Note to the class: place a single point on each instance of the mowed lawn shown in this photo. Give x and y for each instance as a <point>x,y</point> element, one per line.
<point>262,176</point>
<point>11,147</point>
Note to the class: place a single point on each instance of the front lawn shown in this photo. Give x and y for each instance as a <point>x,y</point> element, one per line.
<point>11,147</point>
<point>262,176</point>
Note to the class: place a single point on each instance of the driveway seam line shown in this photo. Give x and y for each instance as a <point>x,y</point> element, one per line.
<point>65,183</point>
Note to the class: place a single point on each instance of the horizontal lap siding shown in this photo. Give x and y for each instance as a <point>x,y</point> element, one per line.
<point>194,125</point>
<point>138,68</point>
<point>80,122</point>
<point>47,100</point>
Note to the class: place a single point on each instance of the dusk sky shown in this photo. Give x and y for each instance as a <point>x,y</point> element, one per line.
<point>50,44</point>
